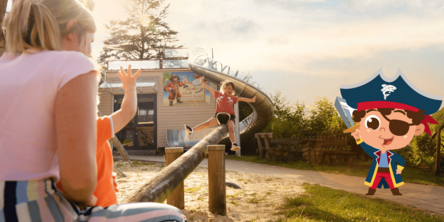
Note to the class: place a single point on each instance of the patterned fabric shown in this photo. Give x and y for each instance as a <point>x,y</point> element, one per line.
<point>29,201</point>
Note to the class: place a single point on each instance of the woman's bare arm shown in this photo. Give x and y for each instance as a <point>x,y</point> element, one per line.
<point>75,122</point>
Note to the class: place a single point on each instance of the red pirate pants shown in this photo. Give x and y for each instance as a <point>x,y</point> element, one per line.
<point>174,96</point>
<point>386,176</point>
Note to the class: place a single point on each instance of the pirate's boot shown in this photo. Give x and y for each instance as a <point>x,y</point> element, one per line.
<point>371,192</point>
<point>395,192</point>
<point>171,103</point>
<point>178,100</point>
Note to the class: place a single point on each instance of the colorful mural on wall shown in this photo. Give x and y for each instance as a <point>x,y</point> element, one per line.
<point>184,89</point>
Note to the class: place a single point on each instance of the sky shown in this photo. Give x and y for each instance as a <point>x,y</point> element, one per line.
<point>308,48</point>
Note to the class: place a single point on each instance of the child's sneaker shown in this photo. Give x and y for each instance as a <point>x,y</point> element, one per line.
<point>188,129</point>
<point>235,147</point>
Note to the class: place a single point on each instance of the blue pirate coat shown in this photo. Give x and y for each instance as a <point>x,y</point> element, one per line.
<point>392,159</point>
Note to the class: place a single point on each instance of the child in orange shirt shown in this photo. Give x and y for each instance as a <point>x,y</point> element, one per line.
<point>105,193</point>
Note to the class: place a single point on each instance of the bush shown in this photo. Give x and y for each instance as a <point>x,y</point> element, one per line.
<point>298,120</point>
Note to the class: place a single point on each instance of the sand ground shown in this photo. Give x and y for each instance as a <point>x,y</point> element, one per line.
<point>258,200</point>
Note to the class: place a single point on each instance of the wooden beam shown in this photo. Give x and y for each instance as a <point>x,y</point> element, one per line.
<point>119,172</point>
<point>121,150</point>
<point>162,185</point>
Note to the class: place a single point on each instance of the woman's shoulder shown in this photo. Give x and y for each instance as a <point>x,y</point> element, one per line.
<point>65,55</point>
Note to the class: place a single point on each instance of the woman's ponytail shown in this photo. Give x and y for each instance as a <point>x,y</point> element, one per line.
<point>40,24</point>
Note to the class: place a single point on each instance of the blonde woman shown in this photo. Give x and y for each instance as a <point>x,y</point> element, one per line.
<point>224,110</point>
<point>48,108</point>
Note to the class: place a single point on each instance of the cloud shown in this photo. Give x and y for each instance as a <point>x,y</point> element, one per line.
<point>318,44</point>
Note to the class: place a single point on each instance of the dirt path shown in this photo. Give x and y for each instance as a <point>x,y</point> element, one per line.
<point>421,196</point>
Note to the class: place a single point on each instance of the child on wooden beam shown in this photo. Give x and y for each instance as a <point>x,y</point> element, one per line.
<point>224,110</point>
<point>107,126</point>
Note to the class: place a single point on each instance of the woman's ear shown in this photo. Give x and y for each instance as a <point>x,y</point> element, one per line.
<point>69,25</point>
<point>419,129</point>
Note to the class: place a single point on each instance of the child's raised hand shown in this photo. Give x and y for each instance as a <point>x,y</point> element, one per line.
<point>128,80</point>
<point>202,79</point>
<point>254,99</point>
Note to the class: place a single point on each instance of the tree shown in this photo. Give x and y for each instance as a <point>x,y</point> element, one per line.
<point>143,35</point>
<point>289,119</point>
<point>422,148</point>
<point>324,119</point>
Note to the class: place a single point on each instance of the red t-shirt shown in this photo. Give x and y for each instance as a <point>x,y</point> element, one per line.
<point>225,103</point>
<point>106,188</point>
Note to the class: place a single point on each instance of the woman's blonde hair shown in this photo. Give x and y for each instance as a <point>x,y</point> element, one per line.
<point>41,24</point>
<point>225,84</point>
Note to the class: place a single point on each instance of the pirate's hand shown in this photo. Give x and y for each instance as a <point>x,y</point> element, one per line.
<point>356,134</point>
<point>254,99</point>
<point>398,171</point>
<point>185,80</point>
<point>128,80</point>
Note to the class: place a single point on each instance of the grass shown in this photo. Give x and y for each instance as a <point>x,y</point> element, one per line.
<point>234,196</point>
<point>137,163</point>
<point>320,203</point>
<point>255,199</point>
<point>193,189</point>
<point>410,175</point>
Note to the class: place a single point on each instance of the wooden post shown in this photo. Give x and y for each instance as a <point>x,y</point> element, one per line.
<point>216,179</point>
<point>267,146</point>
<point>259,143</point>
<point>438,155</point>
<point>121,150</point>
<point>177,197</point>
<point>163,184</point>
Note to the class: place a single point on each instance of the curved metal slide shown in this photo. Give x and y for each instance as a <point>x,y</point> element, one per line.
<point>214,71</point>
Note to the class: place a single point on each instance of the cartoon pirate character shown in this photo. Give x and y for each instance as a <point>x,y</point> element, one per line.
<point>174,88</point>
<point>390,112</point>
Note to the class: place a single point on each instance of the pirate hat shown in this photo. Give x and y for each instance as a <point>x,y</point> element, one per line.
<point>379,91</point>
<point>174,76</point>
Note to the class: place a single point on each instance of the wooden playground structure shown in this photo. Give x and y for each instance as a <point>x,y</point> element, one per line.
<point>168,183</point>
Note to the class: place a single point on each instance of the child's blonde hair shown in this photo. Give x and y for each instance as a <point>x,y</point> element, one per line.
<point>41,24</point>
<point>225,84</point>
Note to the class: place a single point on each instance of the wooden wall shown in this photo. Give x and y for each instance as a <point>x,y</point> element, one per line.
<point>168,117</point>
